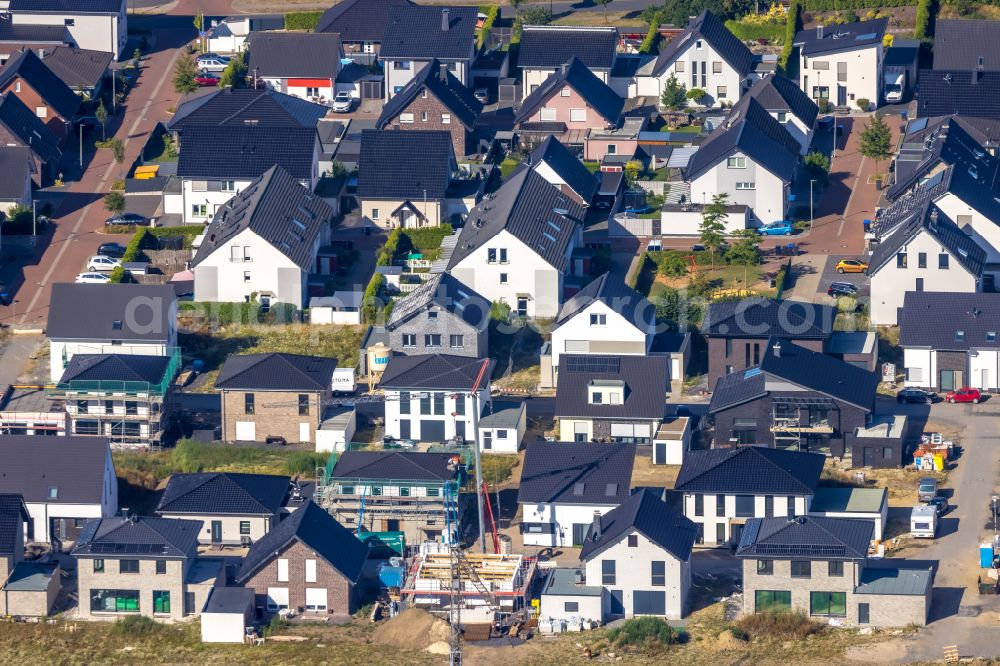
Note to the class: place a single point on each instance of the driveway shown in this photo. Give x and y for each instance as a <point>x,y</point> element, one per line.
<point>830,275</point>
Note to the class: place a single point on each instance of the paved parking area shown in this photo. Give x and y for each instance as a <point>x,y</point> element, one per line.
<point>830,275</point>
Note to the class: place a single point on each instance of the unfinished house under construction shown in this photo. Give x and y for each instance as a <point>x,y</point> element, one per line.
<point>500,582</point>
<point>392,492</point>
<point>120,396</point>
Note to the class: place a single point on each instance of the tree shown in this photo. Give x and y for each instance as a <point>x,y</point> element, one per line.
<point>533,15</point>
<point>114,202</point>
<point>185,73</point>
<point>713,225</point>
<point>136,56</point>
<point>632,170</point>
<point>672,265</point>
<point>674,97</point>
<point>876,140</point>
<point>101,113</point>
<point>516,4</point>
<point>818,165</point>
<point>117,148</point>
<point>746,250</point>
<point>235,73</point>
<point>696,94</point>
<point>604,3</point>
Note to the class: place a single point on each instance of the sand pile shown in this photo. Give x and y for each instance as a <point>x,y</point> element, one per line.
<point>414,628</point>
<point>727,640</point>
<point>439,647</point>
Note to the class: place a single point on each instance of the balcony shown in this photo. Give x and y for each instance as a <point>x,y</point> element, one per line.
<point>792,424</point>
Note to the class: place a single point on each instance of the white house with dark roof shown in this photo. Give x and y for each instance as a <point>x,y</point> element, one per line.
<point>842,64</point>
<point>791,107</point>
<point>565,484</point>
<point>555,163</point>
<point>415,35</point>
<point>263,243</point>
<point>101,25</point>
<point>360,24</point>
<point>545,48</point>
<point>300,64</point>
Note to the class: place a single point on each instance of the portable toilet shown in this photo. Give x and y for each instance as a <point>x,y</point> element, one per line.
<point>986,555</point>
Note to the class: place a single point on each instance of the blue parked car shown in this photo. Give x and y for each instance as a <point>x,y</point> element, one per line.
<point>779,228</point>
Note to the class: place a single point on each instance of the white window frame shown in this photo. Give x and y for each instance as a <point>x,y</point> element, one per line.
<point>375,213</point>
<point>274,593</point>
<point>406,118</point>
<point>446,119</point>
<point>311,594</point>
<point>565,92</point>
<point>310,571</point>
<point>42,111</point>
<point>736,162</point>
<point>547,114</point>
<point>282,570</point>
<point>578,115</point>
<point>746,186</point>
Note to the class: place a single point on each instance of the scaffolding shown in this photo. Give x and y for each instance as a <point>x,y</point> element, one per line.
<point>792,429</point>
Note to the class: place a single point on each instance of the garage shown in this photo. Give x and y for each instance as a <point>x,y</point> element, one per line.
<point>372,87</point>
<point>649,602</point>
<point>227,614</point>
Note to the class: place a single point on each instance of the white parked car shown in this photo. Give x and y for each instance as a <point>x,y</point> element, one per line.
<point>93,278</point>
<point>100,262</point>
<point>342,102</point>
<point>212,62</point>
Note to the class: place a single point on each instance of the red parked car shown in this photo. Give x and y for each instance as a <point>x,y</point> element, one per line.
<point>206,78</point>
<point>964,394</point>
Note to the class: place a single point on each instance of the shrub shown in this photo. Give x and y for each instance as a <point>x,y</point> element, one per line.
<point>752,32</point>
<point>133,251</point>
<point>302,20</point>
<point>651,40</point>
<point>492,12</point>
<point>817,164</point>
<point>136,625</point>
<point>644,632</point>
<point>371,303</point>
<point>118,275</point>
<point>500,311</point>
<point>863,103</point>
<point>696,94</point>
<point>923,20</point>
<point>824,106</point>
<point>304,462</point>
<point>114,202</point>
<point>280,313</point>
<point>847,304</point>
<point>779,625</point>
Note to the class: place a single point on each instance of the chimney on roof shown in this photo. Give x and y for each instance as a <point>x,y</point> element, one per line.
<point>565,67</point>
<point>443,72</point>
<point>445,20</point>
<point>595,530</point>
<point>977,74</point>
<point>777,348</point>
<point>819,31</point>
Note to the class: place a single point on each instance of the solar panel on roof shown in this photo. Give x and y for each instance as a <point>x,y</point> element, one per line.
<point>867,35</point>
<point>800,550</point>
<point>752,372</point>
<point>593,364</point>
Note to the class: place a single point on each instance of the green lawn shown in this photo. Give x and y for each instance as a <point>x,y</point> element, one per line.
<point>508,165</point>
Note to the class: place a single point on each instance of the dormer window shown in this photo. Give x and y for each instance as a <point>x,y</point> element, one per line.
<point>53,493</point>
<point>991,336</point>
<point>606,391</point>
<point>596,397</point>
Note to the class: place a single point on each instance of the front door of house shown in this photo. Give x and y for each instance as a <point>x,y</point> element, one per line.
<point>216,531</point>
<point>841,96</point>
<point>487,440</point>
<point>951,380</point>
<point>660,453</point>
<point>863,614</point>
<point>522,306</point>
<point>617,603</point>
<point>869,456</point>
<point>735,532</point>
<point>460,429</point>
<point>579,533</point>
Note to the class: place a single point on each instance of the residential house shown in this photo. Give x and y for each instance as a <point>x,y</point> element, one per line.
<point>274,396</point>
<point>565,484</point>
<point>361,24</point>
<point>842,64</point>
<point>234,509</point>
<point>415,35</point>
<point>394,491</point>
<point>109,319</point>
<point>30,80</point>
<point>516,246</point>
<point>961,92</point>
<point>230,35</point>
<point>789,105</point>
<point>263,244</point>
<point>100,25</point>
<point>83,70</point>
<point>955,261</point>
<point>820,567</point>
<point>435,100</point>
<point>554,162</point>
<point>737,331</point>
<point>605,317</point>
<point>568,104</point>
<point>960,44</point>
<point>63,480</point>
<point>29,588</point>
<point>435,397</point>
<point>300,64</point>
<point>949,340</point>
<point>870,504</point>
<point>639,553</point>
<point>230,137</point>
<point>750,157</point>
<point>16,170</point>
<point>403,177</point>
<point>502,426</point>
<point>795,399</point>
<point>307,563</point>
<point>138,565</point>
<point>706,56</point>
<point>611,398</point>
<point>19,126</point>
<point>544,49</point>
<point>16,38</point>
<point>724,488</point>
<point>124,397</point>
<point>28,411</point>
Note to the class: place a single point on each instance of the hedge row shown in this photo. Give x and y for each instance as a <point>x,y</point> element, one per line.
<point>835,5</point>
<point>371,299</point>
<point>302,20</point>
<point>651,40</point>
<point>751,32</point>
<point>492,13</point>
<point>781,278</point>
<point>227,314</point>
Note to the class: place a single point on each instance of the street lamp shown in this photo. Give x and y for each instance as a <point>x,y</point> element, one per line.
<point>811,181</point>
<point>996,500</point>
<point>13,322</point>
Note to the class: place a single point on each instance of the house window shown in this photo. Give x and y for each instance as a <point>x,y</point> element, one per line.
<point>720,533</point>
<point>836,568</point>
<point>17,86</point>
<point>423,116</point>
<point>456,341</point>
<point>446,119</point>
<point>720,506</point>
<point>439,403</point>
<point>721,92</point>
<point>991,336</point>
<point>409,339</point>
<point>244,528</point>
<point>503,255</point>
<point>491,255</point>
<point>401,64</point>
<point>900,260</point>
<point>887,453</point>
<point>131,408</point>
<point>598,320</point>
<point>98,566</point>
<point>228,186</point>
<point>821,92</point>
<point>699,505</point>
<point>161,567</point>
<point>433,492</point>
<point>404,491</point>
<point>565,92</point>
<point>128,566</point>
<point>744,506</point>
<point>596,398</point>
<point>432,340</point>
<point>679,66</point>
<point>801,568</point>
<point>404,402</point>
<point>736,163</point>
<point>199,210</point>
<point>790,510</point>
<point>246,276</point>
<point>282,570</point>
<point>578,115</point>
<point>86,428</point>
<point>303,404</point>
<point>943,261</point>
<point>633,540</point>
<point>921,260</point>
<point>69,23</point>
<point>658,573</point>
<point>109,406</point>
<point>114,601</point>
<point>772,600</point>
<point>821,65</point>
<point>959,336</point>
<point>423,93</point>
<point>310,571</point>
<point>920,284</point>
<point>460,405</point>
<point>248,403</point>
<point>406,118</point>
<point>432,315</point>
<point>571,607</point>
<point>503,278</point>
<point>833,604</point>
<point>608,576</point>
<point>716,67</point>
<point>746,186</point>
<point>765,567</point>
<point>161,602</point>
<point>782,116</point>
<point>697,44</point>
<point>375,213</point>
<point>547,114</point>
<point>312,92</point>
<point>501,434</point>
<point>768,506</point>
<point>425,405</point>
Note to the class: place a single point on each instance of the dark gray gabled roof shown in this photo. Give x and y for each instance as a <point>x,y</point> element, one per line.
<point>53,91</point>
<point>647,514</point>
<point>68,7</point>
<point>280,210</point>
<point>960,91</point>
<point>930,143</point>
<point>529,208</point>
<point>116,368</point>
<point>140,537</point>
<point>241,152</point>
<point>612,291</point>
<point>276,371</point>
<point>74,466</point>
<point>395,465</point>
<point>596,93</point>
<point>445,292</point>
<point>819,372</point>
<point>444,86</point>
<point>128,312</point>
<point>405,165</point>
<point>437,371</point>
<point>568,168</point>
<point>576,473</point>
<point>78,67</point>
<point>294,54</point>
<point>16,166</point>
<point>736,388</point>
<point>764,317</point>
<point>709,27</point>
<point>965,44</point>
<point>930,219</point>
<point>933,320</point>
<point>243,106</point>
<point>549,46</point>
<point>751,130</point>
<point>828,39</point>
<point>320,532</point>
<point>750,470</point>
<point>224,493</point>
<point>13,515</point>
<point>31,33</point>
<point>806,538</point>
<point>418,32</point>
<point>358,20</point>
<point>777,93</point>
<point>28,129</point>
<point>644,381</point>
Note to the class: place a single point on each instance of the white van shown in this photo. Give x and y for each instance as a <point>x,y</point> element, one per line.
<point>923,522</point>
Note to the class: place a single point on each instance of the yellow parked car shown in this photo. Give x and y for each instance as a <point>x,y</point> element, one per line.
<point>851,266</point>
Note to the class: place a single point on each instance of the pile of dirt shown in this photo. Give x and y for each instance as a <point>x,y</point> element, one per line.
<point>439,647</point>
<point>727,640</point>
<point>414,628</point>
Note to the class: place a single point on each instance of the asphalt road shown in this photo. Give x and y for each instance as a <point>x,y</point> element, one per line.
<point>830,275</point>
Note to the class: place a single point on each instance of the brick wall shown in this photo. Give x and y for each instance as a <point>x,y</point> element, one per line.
<point>432,106</point>
<point>146,581</point>
<point>718,359</point>
<point>445,325</point>
<point>33,101</point>
<point>339,591</point>
<point>276,413</point>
